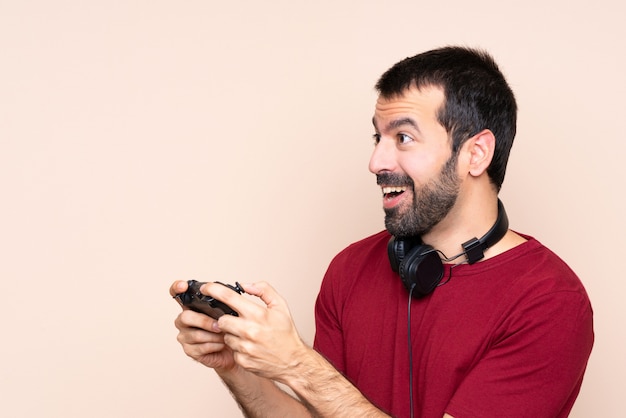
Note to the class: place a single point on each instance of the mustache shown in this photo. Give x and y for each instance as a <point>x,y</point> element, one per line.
<point>393,179</point>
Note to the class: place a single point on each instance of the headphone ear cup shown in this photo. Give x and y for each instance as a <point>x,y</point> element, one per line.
<point>397,249</point>
<point>396,252</point>
<point>422,268</point>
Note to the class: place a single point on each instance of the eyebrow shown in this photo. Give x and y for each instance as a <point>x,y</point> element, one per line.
<point>397,123</point>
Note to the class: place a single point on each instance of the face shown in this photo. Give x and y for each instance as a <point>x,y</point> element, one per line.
<point>413,162</point>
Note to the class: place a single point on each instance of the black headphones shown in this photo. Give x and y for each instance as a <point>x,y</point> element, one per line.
<point>420,266</point>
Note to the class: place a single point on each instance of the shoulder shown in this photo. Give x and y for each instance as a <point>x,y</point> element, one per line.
<point>357,262</point>
<point>529,276</point>
<point>535,284</point>
<point>539,265</point>
<point>528,264</point>
<point>364,247</point>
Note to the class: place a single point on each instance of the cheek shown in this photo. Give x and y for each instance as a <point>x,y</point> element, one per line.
<point>421,168</point>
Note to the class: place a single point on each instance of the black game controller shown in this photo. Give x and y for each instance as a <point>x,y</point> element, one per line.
<point>207,305</point>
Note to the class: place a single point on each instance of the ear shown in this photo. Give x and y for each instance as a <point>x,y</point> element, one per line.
<point>480,148</point>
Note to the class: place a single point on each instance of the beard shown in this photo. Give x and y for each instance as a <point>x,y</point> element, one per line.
<point>431,203</point>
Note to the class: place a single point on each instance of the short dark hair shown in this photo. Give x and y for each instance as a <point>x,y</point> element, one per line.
<point>477,97</point>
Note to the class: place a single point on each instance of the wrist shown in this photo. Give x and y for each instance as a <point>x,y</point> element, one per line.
<point>324,391</point>
<point>232,373</point>
<point>307,368</point>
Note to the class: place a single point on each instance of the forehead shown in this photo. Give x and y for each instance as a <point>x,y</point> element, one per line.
<point>421,104</point>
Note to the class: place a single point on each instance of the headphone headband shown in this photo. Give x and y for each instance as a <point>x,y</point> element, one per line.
<point>475,248</point>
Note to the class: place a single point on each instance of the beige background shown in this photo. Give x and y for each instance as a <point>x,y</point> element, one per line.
<point>147,141</point>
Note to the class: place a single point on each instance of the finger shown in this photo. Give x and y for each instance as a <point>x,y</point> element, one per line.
<point>198,350</point>
<point>228,296</point>
<point>266,293</point>
<point>192,319</point>
<point>238,345</point>
<point>199,336</point>
<point>179,286</point>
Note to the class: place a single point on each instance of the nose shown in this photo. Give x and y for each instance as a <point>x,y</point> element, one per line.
<point>383,158</point>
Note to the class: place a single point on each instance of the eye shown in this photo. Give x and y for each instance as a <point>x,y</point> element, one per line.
<point>376,138</point>
<point>404,138</point>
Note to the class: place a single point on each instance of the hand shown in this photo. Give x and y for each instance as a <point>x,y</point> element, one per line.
<point>263,338</point>
<point>265,344</point>
<point>200,337</point>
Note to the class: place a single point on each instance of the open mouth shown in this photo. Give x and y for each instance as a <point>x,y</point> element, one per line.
<point>390,192</point>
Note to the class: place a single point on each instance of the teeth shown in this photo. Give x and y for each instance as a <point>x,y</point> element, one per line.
<point>387,190</point>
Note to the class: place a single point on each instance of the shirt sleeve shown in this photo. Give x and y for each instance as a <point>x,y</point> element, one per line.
<point>328,334</point>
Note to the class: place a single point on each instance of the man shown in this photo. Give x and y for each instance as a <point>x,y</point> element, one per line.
<point>502,328</point>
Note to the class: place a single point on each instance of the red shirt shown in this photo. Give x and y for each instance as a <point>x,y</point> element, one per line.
<point>506,337</point>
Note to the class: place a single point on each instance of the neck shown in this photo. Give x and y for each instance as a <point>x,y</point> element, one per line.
<point>465,222</point>
<point>449,239</point>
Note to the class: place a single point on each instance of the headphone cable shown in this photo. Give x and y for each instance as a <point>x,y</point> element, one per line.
<point>410,352</point>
